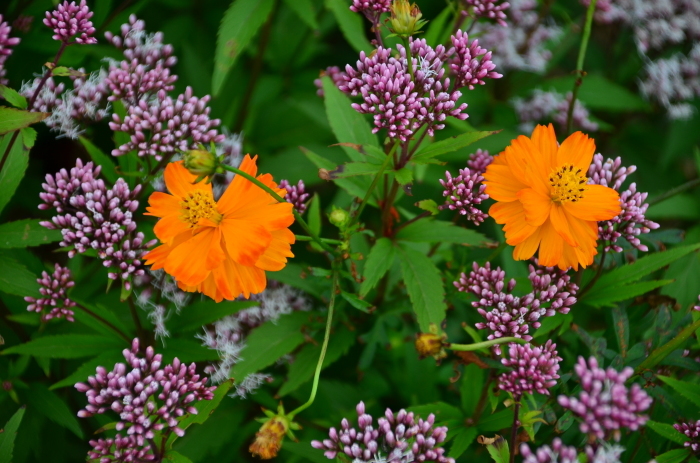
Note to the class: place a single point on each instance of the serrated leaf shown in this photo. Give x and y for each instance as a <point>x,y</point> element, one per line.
<point>13,171</point>
<point>686,389</point>
<point>109,170</point>
<point>429,230</point>
<point>8,435</point>
<point>305,10</point>
<point>25,233</point>
<point>302,370</point>
<point>662,352</point>
<point>404,176</point>
<point>449,145</point>
<point>66,346</point>
<point>359,304</point>
<point>500,451</point>
<point>348,125</point>
<point>673,456</point>
<point>105,359</point>
<point>16,279</point>
<point>667,431</point>
<point>428,205</point>
<point>28,135</point>
<point>48,404</point>
<point>12,119</point>
<point>354,169</point>
<point>425,287</point>
<point>351,25</point>
<point>379,260</point>
<point>201,313</point>
<point>462,441</point>
<point>240,23</point>
<point>608,295</point>
<point>496,421</point>
<point>176,457</point>
<point>268,342</point>
<point>13,97</point>
<point>356,186</point>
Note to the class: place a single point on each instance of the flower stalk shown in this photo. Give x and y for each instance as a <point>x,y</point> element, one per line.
<point>579,63</point>
<point>484,344</point>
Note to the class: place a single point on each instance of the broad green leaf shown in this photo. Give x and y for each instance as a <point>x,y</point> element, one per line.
<point>267,343</point>
<point>499,451</point>
<point>686,389</point>
<point>203,312</point>
<point>472,383</point>
<point>314,215</point>
<point>622,329</point>
<point>67,346</point>
<point>13,171</point>
<point>16,279</point>
<point>448,145</point>
<point>305,451</point>
<point>496,421</point>
<point>188,350</point>
<point>304,365</point>
<point>107,315</point>
<point>428,205</point>
<point>359,304</point>
<point>673,456</point>
<point>404,176</point>
<point>13,97</point>
<point>379,260</point>
<point>667,431</point>
<point>8,435</point>
<point>109,170</point>
<point>25,233</point>
<point>305,10</point>
<point>354,169</point>
<point>462,441</point>
<point>176,457</point>
<point>12,119</point>
<point>238,26</point>
<point>442,411</point>
<point>597,92</point>
<point>204,409</point>
<point>348,125</point>
<point>355,186</point>
<point>662,352</point>
<point>684,273</point>
<point>609,295</point>
<point>438,231</point>
<point>105,359</point>
<point>28,135</point>
<point>425,287</point>
<point>352,25</point>
<point>434,33</point>
<point>52,407</point>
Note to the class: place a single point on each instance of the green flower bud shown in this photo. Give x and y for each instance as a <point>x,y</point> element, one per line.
<point>405,18</point>
<point>339,217</point>
<point>201,163</point>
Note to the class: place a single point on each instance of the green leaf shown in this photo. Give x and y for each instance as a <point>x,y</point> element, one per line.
<point>685,273</point>
<point>442,411</point>
<point>48,404</point>
<point>404,176</point>
<point>25,233</point>
<point>66,346</point>
<point>662,352</point>
<point>238,26</point>
<point>667,431</point>
<point>204,409</point>
<point>314,215</point>
<point>188,350</point>
<point>8,435</point>
<point>13,97</point>
<point>472,382</point>
<point>622,329</point>
<point>12,119</point>
<point>434,33</point>
<point>348,125</point>
<point>355,186</point>
<point>449,145</point>
<point>16,279</point>
<point>425,287</point>
<point>28,137</point>
<point>305,451</point>
<point>611,294</point>
<point>438,231</point>
<point>176,457</point>
<point>686,389</point>
<point>351,25</point>
<point>428,205</point>
<point>379,260</point>
<point>597,92</point>
<point>203,312</point>
<point>269,342</point>
<point>302,370</point>
<point>359,304</point>
<point>462,441</point>
<point>673,456</point>
<point>109,170</point>
<point>105,359</point>
<point>305,10</point>
<point>496,421</point>
<point>499,451</point>
<point>354,169</point>
<point>13,171</point>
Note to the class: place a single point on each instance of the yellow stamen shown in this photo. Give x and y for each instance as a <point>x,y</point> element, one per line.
<point>568,184</point>
<point>199,205</point>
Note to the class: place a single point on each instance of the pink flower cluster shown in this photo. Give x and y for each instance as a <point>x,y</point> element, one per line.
<point>53,289</point>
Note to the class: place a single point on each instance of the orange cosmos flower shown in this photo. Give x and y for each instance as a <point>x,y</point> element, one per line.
<point>544,200</point>
<point>220,248</point>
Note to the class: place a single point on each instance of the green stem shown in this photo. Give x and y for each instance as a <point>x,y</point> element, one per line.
<point>310,238</point>
<point>579,63</point>
<point>373,185</point>
<point>324,347</point>
<point>674,191</point>
<point>484,344</point>
<point>272,193</point>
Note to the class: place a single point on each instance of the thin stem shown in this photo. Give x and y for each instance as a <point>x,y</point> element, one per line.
<point>324,347</point>
<point>484,344</point>
<point>416,218</point>
<point>280,199</point>
<point>674,191</point>
<point>377,34</point>
<point>514,428</point>
<point>140,333</point>
<point>598,273</point>
<point>104,322</point>
<point>373,185</point>
<point>310,238</point>
<point>579,63</point>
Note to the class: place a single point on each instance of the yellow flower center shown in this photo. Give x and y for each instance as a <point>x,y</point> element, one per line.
<point>199,205</point>
<point>568,184</point>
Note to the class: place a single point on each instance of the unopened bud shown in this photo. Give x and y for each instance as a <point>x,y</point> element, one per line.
<point>201,163</point>
<point>405,18</point>
<point>430,345</point>
<point>339,217</point>
<point>268,440</point>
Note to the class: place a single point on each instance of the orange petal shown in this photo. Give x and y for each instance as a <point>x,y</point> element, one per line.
<point>551,246</point>
<point>512,215</point>
<point>180,182</point>
<point>275,256</point>
<point>191,261</point>
<point>527,248</point>
<point>169,227</point>
<point>536,206</point>
<point>242,193</point>
<point>561,224</point>
<point>245,241</point>
<point>578,150</point>
<point>501,184</point>
<point>156,256</point>
<point>546,141</point>
<point>162,204</point>
<point>523,149</point>
<point>598,203</point>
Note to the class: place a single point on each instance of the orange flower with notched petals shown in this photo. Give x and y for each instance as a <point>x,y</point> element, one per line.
<point>220,248</point>
<point>544,199</point>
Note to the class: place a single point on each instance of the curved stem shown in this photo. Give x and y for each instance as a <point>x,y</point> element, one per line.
<point>674,191</point>
<point>104,322</point>
<point>324,347</point>
<point>373,185</point>
<point>310,238</point>
<point>579,63</point>
<point>484,344</point>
